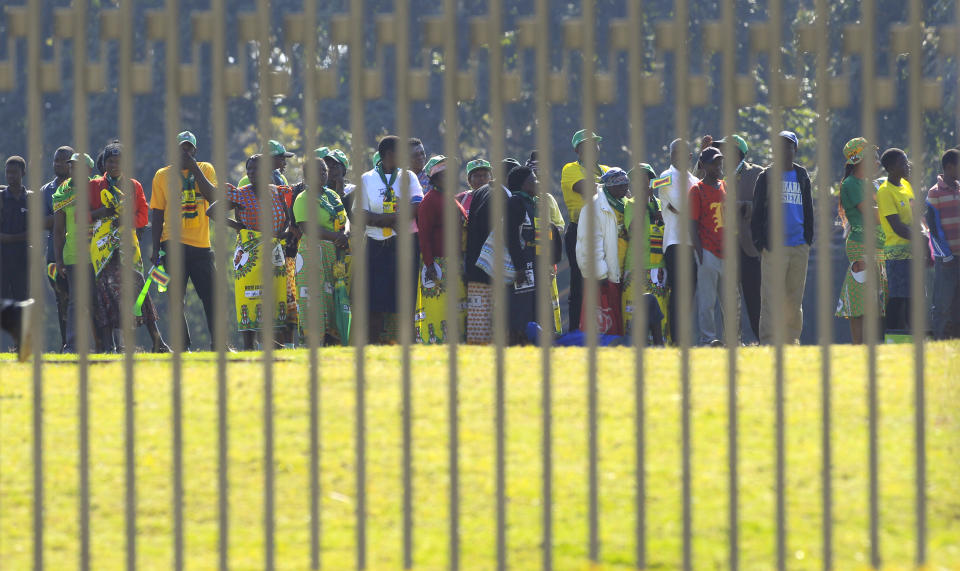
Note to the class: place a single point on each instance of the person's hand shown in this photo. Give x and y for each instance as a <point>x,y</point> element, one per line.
<point>858,266</point>
<point>61,269</point>
<point>342,241</point>
<point>154,259</point>
<point>431,273</point>
<point>604,282</point>
<point>187,161</point>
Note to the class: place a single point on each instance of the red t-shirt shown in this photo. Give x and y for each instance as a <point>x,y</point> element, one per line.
<point>706,207</point>
<point>141,212</point>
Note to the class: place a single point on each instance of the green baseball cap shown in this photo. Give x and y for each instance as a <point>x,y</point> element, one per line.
<point>581,136</point>
<point>187,137</point>
<point>739,141</point>
<point>335,154</point>
<point>478,164</point>
<point>78,156</point>
<point>643,167</point>
<point>435,165</point>
<point>277,149</point>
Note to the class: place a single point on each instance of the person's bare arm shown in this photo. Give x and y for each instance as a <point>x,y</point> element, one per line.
<point>695,238</point>
<point>381,220</point>
<point>205,187</point>
<point>579,186</point>
<point>156,220</point>
<point>898,227</point>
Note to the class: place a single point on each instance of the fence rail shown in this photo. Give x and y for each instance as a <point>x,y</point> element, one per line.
<point>505,55</point>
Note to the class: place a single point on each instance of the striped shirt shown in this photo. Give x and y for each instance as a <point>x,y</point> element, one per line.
<point>943,201</point>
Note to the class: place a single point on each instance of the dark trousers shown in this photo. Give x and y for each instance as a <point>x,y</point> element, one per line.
<point>61,291</point>
<point>197,267</point>
<point>575,299</point>
<point>10,317</point>
<point>750,289</point>
<point>671,260</point>
<point>945,308</point>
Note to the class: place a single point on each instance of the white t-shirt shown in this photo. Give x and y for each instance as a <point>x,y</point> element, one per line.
<point>372,190</point>
<point>673,195</point>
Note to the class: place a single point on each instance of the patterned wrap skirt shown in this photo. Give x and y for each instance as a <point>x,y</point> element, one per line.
<point>108,297</point>
<point>853,294</point>
<point>322,302</point>
<point>479,313</point>
<point>248,265</point>
<point>655,285</point>
<point>430,320</point>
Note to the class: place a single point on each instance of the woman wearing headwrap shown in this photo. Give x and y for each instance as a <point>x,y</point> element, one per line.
<point>523,237</point>
<point>431,318</point>
<point>858,200</point>
<point>333,229</point>
<point>106,202</point>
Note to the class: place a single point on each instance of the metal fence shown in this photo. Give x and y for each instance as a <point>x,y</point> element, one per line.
<point>355,75</point>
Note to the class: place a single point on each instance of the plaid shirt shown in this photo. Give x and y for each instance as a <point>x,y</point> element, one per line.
<point>246,196</point>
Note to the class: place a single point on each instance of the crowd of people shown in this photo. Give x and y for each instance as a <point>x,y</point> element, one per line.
<point>630,206</point>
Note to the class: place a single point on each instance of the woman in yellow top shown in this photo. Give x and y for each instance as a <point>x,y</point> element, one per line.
<point>576,186</point>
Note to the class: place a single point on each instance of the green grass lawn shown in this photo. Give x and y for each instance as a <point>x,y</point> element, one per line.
<point>616,469</point>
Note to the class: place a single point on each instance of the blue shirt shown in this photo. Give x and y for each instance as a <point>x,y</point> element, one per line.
<point>792,210</point>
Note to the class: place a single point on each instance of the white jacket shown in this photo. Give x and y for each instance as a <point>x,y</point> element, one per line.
<point>603,247</point>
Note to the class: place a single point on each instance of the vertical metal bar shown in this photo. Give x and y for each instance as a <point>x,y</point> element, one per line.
<point>872,323</point>
<point>125,107</point>
<point>451,138</point>
<point>360,277</point>
<point>824,280</point>
<point>314,335</point>
<point>777,249</point>
<point>176,262</point>
<point>591,288</point>
<point>918,299</point>
<point>82,320</point>
<point>36,265</point>
<point>218,119</point>
<point>731,273</point>
<point>265,222</point>
<point>497,215</point>
<point>544,305</point>
<point>685,275</point>
<point>640,252</point>
<point>406,247</point>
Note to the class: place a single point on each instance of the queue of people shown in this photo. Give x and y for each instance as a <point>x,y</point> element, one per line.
<point>682,206</point>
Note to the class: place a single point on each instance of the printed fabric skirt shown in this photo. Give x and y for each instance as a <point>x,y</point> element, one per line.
<point>430,321</point>
<point>853,293</point>
<point>656,285</point>
<point>479,313</point>
<point>248,274</point>
<point>107,288</point>
<point>293,312</point>
<point>324,303</point>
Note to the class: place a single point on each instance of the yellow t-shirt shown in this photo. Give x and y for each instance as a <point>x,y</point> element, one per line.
<point>555,217</point>
<point>191,208</point>
<point>571,174</point>
<point>892,199</point>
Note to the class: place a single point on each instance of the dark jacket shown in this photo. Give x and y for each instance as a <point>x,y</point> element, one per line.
<point>478,228</point>
<point>760,223</point>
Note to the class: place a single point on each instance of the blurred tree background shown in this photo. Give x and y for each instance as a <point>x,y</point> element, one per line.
<point>613,119</point>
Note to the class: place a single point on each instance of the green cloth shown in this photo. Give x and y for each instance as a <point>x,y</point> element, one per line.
<point>63,199</point>
<point>851,195</point>
<point>329,210</point>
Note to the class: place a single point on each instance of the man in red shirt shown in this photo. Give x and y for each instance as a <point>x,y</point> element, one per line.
<point>706,229</point>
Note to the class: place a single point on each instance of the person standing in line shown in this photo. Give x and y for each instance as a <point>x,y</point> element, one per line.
<point>379,192</point>
<point>943,218</point>
<point>109,258</point>
<point>577,189</point>
<point>677,184</point>
<point>58,283</point>
<point>198,183</point>
<point>337,167</point>
<point>857,201</point>
<point>798,227</point>
<point>895,203</point>
<point>431,320</point>
<point>749,258</point>
<point>14,247</point>
<point>278,156</point>
<point>706,233</point>
<point>645,219</point>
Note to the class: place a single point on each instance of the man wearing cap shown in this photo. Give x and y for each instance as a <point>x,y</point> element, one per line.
<point>677,184</point>
<point>197,182</point>
<point>797,238</point>
<point>337,166</point>
<point>576,191</point>
<point>61,172</point>
<point>749,266</point>
<point>706,233</point>
<point>280,154</point>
